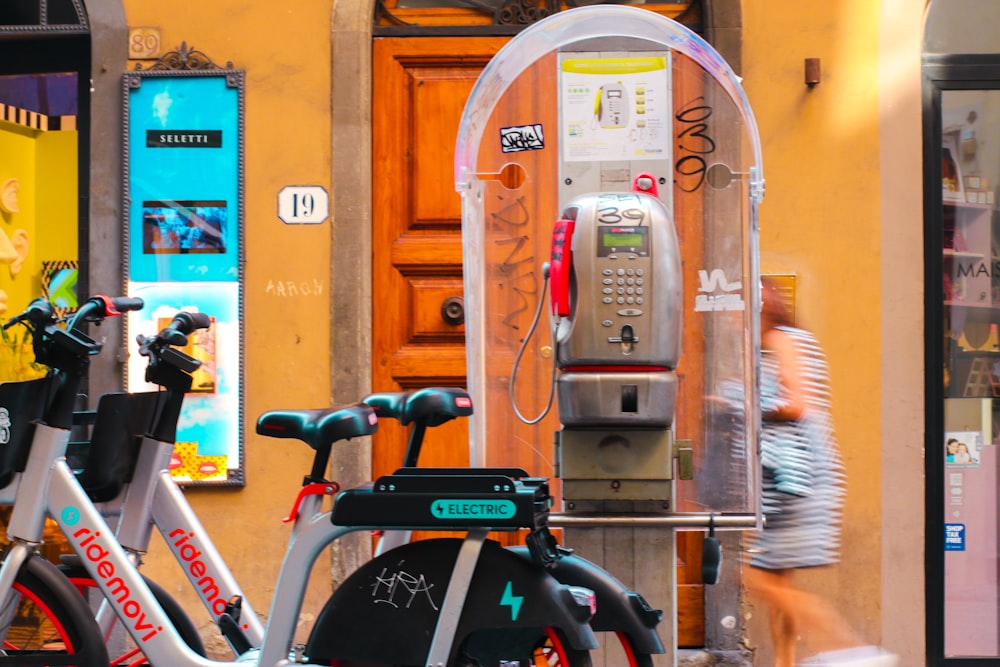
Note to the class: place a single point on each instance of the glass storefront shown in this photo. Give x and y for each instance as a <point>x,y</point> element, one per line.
<point>44,119</point>
<point>39,248</point>
<point>962,149</point>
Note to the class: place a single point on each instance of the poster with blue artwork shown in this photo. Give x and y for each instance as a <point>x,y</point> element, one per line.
<point>184,154</point>
<point>183,210</point>
<point>208,447</point>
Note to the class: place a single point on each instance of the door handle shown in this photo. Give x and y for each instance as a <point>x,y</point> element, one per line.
<point>453,310</point>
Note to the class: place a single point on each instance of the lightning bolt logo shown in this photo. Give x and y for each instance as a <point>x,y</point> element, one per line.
<point>513,601</point>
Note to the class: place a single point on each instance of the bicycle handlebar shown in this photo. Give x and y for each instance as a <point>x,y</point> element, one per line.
<point>168,367</point>
<point>174,334</point>
<point>39,313</point>
<point>99,307</point>
<point>116,305</point>
<point>67,351</point>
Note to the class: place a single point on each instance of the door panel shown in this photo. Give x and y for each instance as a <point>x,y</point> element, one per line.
<point>419,92</point>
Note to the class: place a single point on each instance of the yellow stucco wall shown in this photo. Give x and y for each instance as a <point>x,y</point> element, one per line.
<point>823,219</point>
<point>820,221</point>
<point>285,51</point>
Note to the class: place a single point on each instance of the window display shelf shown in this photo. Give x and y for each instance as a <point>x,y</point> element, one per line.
<point>962,254</point>
<point>971,270</point>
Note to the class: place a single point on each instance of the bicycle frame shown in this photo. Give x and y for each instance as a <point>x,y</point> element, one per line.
<point>48,487</point>
<point>151,499</point>
<point>38,482</point>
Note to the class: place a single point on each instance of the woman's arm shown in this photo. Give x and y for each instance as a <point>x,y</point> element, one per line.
<point>790,368</point>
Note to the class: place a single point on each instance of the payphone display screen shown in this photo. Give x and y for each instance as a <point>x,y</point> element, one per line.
<point>633,240</point>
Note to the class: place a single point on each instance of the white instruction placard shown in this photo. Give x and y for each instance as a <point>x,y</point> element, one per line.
<point>615,108</point>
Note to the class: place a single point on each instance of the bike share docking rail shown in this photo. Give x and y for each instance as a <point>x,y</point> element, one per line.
<point>646,520</point>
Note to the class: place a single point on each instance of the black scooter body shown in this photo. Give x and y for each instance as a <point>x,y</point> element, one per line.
<point>387,611</point>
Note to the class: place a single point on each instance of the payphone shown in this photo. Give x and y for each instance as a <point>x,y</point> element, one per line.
<point>615,189</point>
<point>616,309</point>
<point>616,295</point>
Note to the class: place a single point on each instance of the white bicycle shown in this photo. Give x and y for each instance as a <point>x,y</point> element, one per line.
<point>443,602</point>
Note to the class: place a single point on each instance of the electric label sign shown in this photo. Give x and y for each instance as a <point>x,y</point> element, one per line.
<point>458,508</point>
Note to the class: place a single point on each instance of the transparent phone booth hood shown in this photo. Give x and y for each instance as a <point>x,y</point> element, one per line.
<point>610,171</point>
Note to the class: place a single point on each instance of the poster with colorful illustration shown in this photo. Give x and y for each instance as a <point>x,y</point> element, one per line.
<point>183,215</point>
<point>209,437</point>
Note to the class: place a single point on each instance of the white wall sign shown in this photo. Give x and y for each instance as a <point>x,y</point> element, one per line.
<point>303,204</point>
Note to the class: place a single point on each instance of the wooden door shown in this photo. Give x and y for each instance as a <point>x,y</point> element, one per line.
<point>419,92</point>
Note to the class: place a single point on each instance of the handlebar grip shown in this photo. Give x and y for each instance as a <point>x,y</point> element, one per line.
<point>99,307</point>
<point>190,321</point>
<point>39,313</point>
<point>126,303</point>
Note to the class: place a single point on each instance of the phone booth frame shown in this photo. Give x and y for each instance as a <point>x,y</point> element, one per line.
<point>527,147</point>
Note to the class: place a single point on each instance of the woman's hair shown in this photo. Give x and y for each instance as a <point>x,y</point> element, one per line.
<point>773,305</point>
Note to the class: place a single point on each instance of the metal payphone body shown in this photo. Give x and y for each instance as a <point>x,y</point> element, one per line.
<point>616,301</point>
<point>634,201</point>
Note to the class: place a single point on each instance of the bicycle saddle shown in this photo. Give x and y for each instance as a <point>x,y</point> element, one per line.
<point>431,406</point>
<point>319,428</point>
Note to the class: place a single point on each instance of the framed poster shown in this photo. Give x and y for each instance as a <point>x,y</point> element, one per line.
<point>184,246</point>
<point>614,108</point>
<point>208,447</point>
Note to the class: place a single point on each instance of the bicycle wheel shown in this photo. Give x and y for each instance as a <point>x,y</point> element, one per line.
<point>524,647</point>
<point>630,655</point>
<point>518,647</point>
<point>47,623</point>
<point>85,584</point>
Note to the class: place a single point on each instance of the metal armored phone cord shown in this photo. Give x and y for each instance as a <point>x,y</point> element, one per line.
<point>520,352</point>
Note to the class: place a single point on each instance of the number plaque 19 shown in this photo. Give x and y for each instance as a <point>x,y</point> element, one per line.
<point>303,204</point>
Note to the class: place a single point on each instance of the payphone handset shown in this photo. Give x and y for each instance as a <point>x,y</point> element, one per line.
<point>616,284</point>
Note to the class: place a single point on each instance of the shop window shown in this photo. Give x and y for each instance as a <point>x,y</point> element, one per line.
<point>35,15</point>
<point>44,100</point>
<point>39,184</point>
<point>44,103</point>
<point>961,67</point>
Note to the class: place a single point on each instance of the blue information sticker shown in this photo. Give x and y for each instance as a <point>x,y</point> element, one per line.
<point>954,537</point>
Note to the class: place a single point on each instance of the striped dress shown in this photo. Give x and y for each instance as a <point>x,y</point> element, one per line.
<point>803,481</point>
